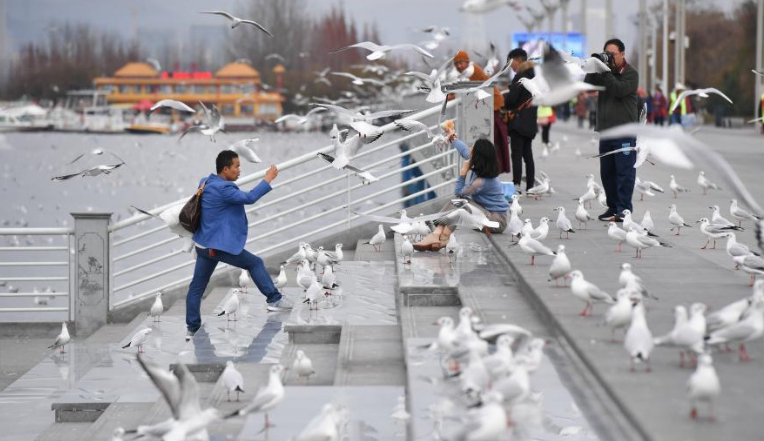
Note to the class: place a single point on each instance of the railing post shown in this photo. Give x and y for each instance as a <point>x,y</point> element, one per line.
<point>474,121</point>
<point>90,281</point>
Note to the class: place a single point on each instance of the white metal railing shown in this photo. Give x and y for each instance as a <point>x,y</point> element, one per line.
<point>148,266</point>
<point>18,268</point>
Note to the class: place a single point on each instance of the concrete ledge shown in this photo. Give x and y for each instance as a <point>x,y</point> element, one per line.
<point>430,297</point>
<point>33,329</point>
<point>203,372</point>
<point>79,412</point>
<point>427,280</point>
<point>313,334</point>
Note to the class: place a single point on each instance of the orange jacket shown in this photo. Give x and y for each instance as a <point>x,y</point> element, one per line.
<point>480,75</point>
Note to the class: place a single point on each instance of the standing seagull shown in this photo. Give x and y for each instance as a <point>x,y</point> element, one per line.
<point>705,184</point>
<point>748,329</point>
<point>533,247</point>
<point>676,188</point>
<point>703,385</point>
<point>281,280</point>
<point>582,216</point>
<point>639,340</point>
<point>377,239</point>
<point>267,397</point>
<point>640,242</point>
<point>560,267</point>
<point>303,366</point>
<point>157,309</point>
<point>236,21</point>
<point>676,220</point>
<point>407,250</point>
<point>587,292</point>
<point>616,233</point>
<point>62,339</point>
<point>139,339</point>
<point>231,305</point>
<point>232,379</point>
<point>740,214</point>
<point>563,223</point>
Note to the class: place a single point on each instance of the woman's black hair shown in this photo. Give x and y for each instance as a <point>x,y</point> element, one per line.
<point>485,164</point>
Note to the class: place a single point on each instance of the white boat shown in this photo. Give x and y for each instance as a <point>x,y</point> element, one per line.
<point>24,118</point>
<point>88,111</point>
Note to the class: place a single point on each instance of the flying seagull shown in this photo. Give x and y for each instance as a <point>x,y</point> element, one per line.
<point>236,21</point>
<point>380,51</point>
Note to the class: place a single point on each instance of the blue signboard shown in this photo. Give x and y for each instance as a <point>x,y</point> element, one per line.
<point>575,43</point>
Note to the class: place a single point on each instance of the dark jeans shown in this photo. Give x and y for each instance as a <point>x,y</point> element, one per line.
<point>205,265</point>
<point>658,120</point>
<point>521,151</point>
<point>618,174</point>
<point>545,133</point>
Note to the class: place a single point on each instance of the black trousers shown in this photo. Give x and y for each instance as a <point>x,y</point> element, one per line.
<point>618,174</point>
<point>521,151</point>
<point>545,133</point>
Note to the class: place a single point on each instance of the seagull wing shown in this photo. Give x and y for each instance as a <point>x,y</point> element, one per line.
<point>679,100</point>
<point>257,25</point>
<point>362,173</point>
<point>595,65</point>
<point>188,405</point>
<point>166,382</point>
<point>411,125</point>
<point>414,48</point>
<point>246,152</point>
<point>336,109</point>
<point>368,45</point>
<point>221,13</point>
<point>65,177</point>
<point>193,128</point>
<point>345,74</point>
<point>77,158</point>
<point>718,92</point>
<point>420,75</point>
<point>147,213</point>
<point>385,114</point>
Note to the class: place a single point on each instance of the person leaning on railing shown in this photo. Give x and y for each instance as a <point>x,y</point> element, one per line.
<point>483,189</point>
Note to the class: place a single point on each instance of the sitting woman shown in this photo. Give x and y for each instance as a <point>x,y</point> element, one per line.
<point>483,190</point>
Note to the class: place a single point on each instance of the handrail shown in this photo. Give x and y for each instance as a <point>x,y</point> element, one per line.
<point>146,294</point>
<point>36,231</point>
<point>278,230</point>
<point>282,166</point>
<point>34,248</point>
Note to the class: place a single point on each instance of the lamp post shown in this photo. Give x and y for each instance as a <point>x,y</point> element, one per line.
<point>564,7</point>
<point>528,24</point>
<point>608,19</point>
<point>538,17</point>
<point>642,43</point>
<point>583,26</point>
<point>653,49</point>
<point>664,66</point>
<point>551,7</point>
<point>759,55</point>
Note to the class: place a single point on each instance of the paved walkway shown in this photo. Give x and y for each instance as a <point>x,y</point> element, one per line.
<point>680,275</point>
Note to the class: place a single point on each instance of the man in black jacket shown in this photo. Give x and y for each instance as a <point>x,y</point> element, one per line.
<point>522,125</point>
<point>616,105</point>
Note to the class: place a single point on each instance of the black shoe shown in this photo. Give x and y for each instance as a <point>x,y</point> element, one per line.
<point>518,192</point>
<point>606,216</point>
<point>614,218</point>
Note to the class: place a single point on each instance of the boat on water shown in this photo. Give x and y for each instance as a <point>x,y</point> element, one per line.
<point>24,118</point>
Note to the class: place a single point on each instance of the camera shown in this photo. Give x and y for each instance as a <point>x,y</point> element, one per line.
<point>605,57</point>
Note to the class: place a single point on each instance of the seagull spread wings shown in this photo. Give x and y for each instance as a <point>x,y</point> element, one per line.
<point>700,92</point>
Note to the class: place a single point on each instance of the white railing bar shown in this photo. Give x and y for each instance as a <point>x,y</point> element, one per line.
<point>34,279</point>
<point>34,248</point>
<point>34,263</point>
<point>272,232</point>
<point>33,310</point>
<point>35,294</point>
<point>282,166</point>
<point>147,248</point>
<point>140,235</point>
<point>342,207</point>
<point>343,191</point>
<point>183,280</point>
<point>149,262</point>
<point>313,202</point>
<point>36,231</point>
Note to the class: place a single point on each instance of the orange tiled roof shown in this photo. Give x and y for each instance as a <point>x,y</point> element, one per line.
<point>133,70</point>
<point>237,70</point>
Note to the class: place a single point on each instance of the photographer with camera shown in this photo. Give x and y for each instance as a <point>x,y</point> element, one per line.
<point>616,105</point>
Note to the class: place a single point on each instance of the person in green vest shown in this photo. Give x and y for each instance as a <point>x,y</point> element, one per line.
<point>684,108</point>
<point>545,117</point>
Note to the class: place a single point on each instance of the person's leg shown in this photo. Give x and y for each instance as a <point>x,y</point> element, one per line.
<point>608,176</point>
<point>500,143</point>
<point>545,133</point>
<point>517,145</point>
<point>202,273</point>
<point>530,167</point>
<point>254,265</point>
<point>435,237</point>
<point>625,175</point>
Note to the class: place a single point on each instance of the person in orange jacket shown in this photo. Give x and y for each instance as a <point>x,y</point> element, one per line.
<point>462,63</point>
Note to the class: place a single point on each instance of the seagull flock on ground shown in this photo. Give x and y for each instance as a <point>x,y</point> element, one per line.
<point>492,365</point>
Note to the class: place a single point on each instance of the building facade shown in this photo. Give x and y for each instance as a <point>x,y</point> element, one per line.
<point>235,89</point>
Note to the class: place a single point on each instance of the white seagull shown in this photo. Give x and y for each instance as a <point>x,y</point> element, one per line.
<point>587,292</point>
<point>676,220</point>
<point>380,51</point>
<point>232,380</point>
<point>62,339</point>
<point>378,239</point>
<point>231,305</point>
<point>705,184</point>
<point>303,366</point>
<point>243,149</point>
<point>139,339</point>
<point>236,21</point>
<point>173,104</point>
<point>703,385</point>
<point>267,397</point>
<point>639,340</point>
<point>560,267</point>
<point>157,308</point>
<point>703,93</point>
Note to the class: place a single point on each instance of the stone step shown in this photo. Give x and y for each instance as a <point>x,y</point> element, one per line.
<point>65,432</point>
<point>370,355</point>
<point>431,279</point>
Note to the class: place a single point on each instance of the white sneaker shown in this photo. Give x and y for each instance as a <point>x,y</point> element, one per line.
<point>282,305</point>
<point>189,335</point>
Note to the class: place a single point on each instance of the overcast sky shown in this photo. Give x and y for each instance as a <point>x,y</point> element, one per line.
<point>398,20</point>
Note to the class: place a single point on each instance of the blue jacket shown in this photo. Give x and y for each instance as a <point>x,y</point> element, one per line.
<point>224,224</point>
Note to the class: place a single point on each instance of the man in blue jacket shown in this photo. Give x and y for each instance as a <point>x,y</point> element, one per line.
<point>222,233</point>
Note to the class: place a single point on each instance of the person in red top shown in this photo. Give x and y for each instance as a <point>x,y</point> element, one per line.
<point>462,63</point>
<point>660,107</point>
